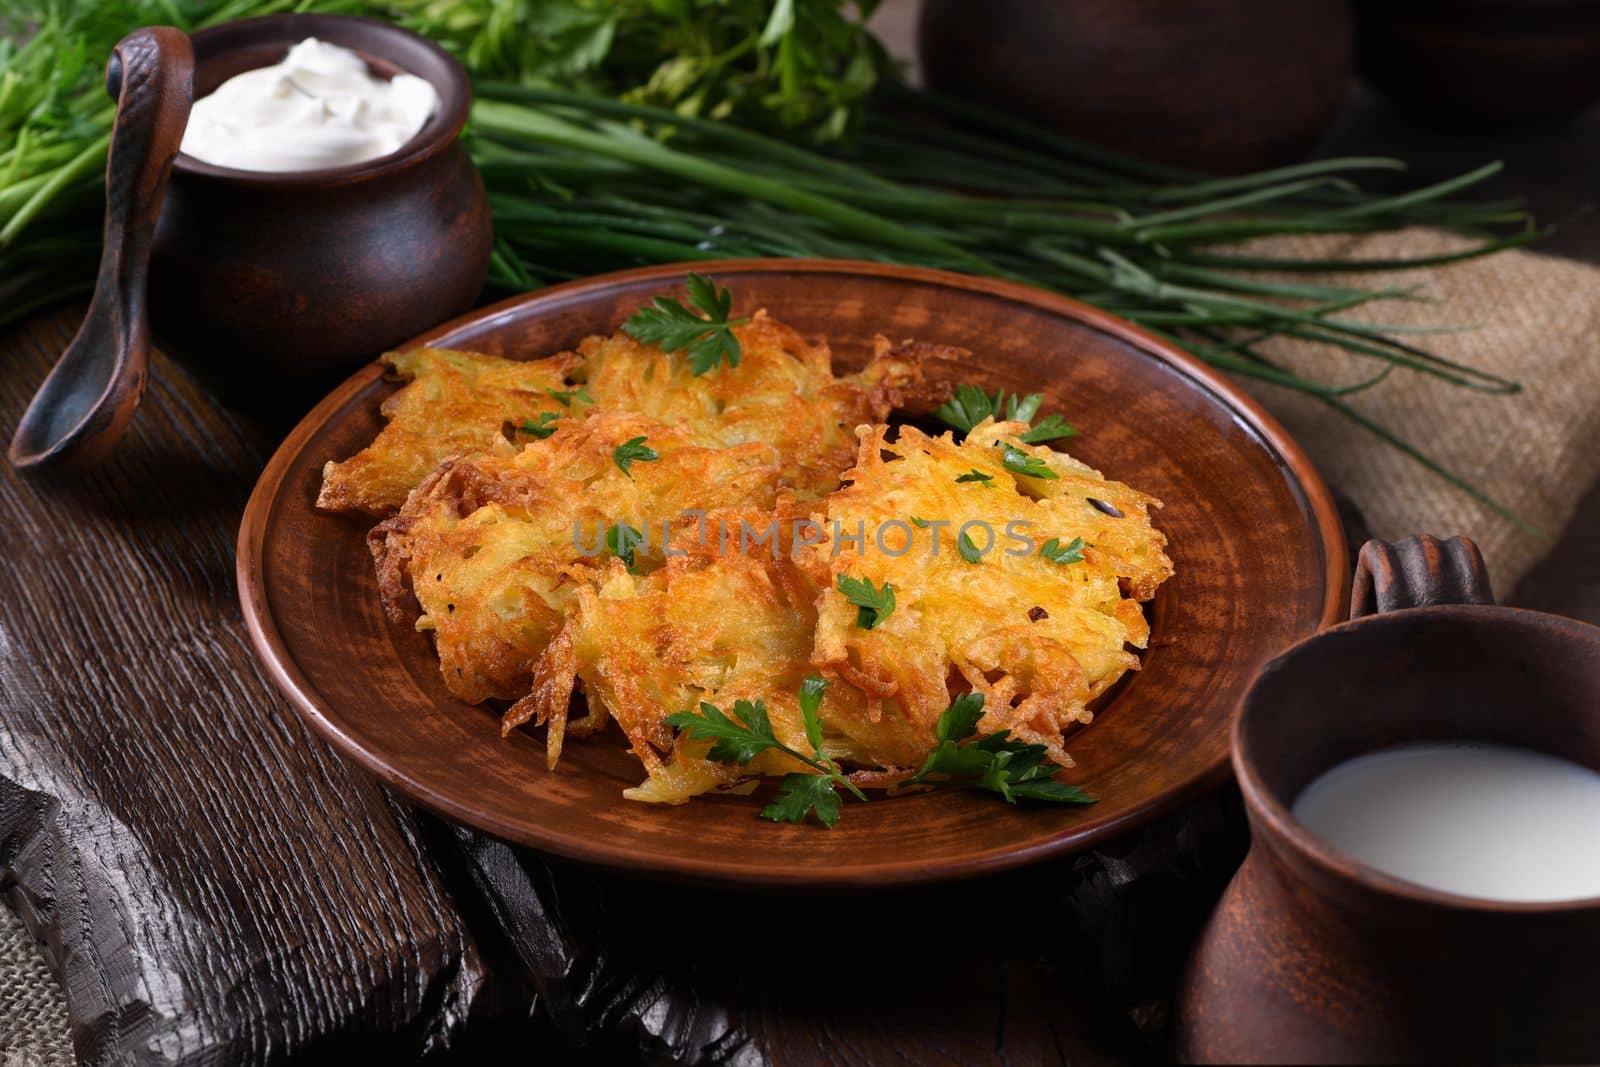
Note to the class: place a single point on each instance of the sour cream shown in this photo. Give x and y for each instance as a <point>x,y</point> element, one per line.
<point>321,107</point>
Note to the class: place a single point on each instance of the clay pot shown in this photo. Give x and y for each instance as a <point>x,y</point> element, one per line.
<point>1215,85</point>
<point>259,280</point>
<point>1478,63</point>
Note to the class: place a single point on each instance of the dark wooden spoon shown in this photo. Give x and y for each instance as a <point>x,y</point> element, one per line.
<point>84,406</point>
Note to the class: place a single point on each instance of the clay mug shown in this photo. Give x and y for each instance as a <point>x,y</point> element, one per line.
<point>1314,957</point>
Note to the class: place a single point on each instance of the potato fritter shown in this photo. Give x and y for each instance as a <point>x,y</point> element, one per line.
<point>783,394</point>
<point>993,614</point>
<point>492,547</point>
<point>711,627</point>
<point>456,402</point>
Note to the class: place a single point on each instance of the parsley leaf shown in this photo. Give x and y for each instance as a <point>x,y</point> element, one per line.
<point>976,475</point>
<point>564,397</point>
<point>733,741</point>
<point>1054,551</point>
<point>748,733</point>
<point>811,691</point>
<point>970,405</point>
<point>621,539</point>
<point>996,764</point>
<point>802,794</point>
<point>542,428</point>
<point>921,524</point>
<point>874,605</point>
<point>1019,462</point>
<point>625,454</point>
<point>1049,428</point>
<point>968,550</point>
<point>960,720</point>
<point>707,337</point>
<point>967,407</point>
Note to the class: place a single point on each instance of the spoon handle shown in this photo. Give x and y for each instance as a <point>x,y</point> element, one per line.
<point>151,77</point>
<point>84,406</point>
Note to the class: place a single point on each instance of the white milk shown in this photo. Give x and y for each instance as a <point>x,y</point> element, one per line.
<point>1485,821</point>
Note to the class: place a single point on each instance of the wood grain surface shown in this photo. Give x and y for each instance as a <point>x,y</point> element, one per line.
<point>210,879</point>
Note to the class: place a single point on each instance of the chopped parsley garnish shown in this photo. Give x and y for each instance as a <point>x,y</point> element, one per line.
<point>1071,552</point>
<point>1019,462</point>
<point>921,524</point>
<point>707,337</point>
<point>975,475</point>
<point>971,405</point>
<point>873,605</point>
<point>622,539</point>
<point>565,397</point>
<point>968,550</point>
<point>541,427</point>
<point>634,450</point>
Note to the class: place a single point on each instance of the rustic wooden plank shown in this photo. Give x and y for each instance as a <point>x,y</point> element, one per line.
<point>1033,967</point>
<point>210,881</point>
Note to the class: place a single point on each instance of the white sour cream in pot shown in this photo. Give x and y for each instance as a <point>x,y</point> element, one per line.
<point>319,108</point>
<point>1479,820</point>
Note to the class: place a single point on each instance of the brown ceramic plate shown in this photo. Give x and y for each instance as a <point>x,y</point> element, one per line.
<point>1261,562</point>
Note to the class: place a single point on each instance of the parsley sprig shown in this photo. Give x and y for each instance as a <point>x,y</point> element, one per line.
<point>873,605</point>
<point>975,475</point>
<point>707,337</point>
<point>747,732</point>
<point>968,550</point>
<point>540,428</point>
<point>971,405</point>
<point>631,451</point>
<point>1019,462</point>
<point>565,397</point>
<point>1015,770</point>
<point>622,539</point>
<point>1056,552</point>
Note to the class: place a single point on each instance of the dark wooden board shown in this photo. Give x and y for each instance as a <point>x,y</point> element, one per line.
<point>210,880</point>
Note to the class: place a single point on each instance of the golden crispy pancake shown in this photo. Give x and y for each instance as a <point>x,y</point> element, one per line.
<point>783,394</point>
<point>1039,638</point>
<point>492,547</point>
<point>457,402</point>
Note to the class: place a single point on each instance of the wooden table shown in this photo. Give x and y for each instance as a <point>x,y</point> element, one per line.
<point>220,885</point>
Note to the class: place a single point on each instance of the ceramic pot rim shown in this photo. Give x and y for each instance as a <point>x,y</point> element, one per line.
<point>437,134</point>
<point>1270,812</point>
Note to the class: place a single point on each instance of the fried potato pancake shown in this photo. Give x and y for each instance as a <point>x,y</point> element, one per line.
<point>492,547</point>
<point>783,394</point>
<point>710,627</point>
<point>993,614</point>
<point>457,402</point>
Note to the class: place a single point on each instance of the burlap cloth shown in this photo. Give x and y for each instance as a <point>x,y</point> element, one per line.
<point>1536,319</point>
<point>33,1013</point>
